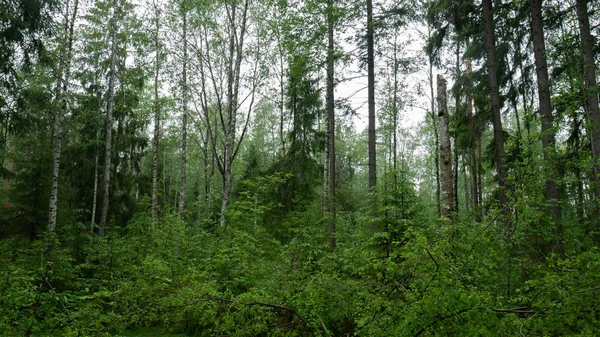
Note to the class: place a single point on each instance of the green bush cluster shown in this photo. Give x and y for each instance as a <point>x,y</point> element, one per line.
<point>395,272</point>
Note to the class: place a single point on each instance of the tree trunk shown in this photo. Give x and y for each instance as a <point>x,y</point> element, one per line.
<point>490,46</point>
<point>234,62</point>
<point>109,121</point>
<point>155,140</point>
<point>94,198</point>
<point>183,184</point>
<point>330,107</point>
<point>472,158</point>
<point>590,90</point>
<point>436,136</point>
<point>371,94</point>
<point>62,88</point>
<point>457,94</point>
<point>445,150</point>
<point>548,140</point>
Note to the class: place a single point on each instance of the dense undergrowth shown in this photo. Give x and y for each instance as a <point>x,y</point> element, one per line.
<point>396,274</point>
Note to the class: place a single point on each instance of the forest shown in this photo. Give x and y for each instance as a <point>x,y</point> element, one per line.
<point>299,168</point>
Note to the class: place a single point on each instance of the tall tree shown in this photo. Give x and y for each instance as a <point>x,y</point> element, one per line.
<point>109,121</point>
<point>490,48</point>
<point>445,149</point>
<point>590,90</point>
<point>548,138</point>
<point>371,98</point>
<point>330,111</point>
<point>474,139</point>
<point>184,102</point>
<point>156,135</point>
<point>62,87</point>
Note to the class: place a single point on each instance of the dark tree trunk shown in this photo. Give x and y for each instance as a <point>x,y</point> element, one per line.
<point>109,122</point>
<point>490,46</point>
<point>590,90</point>
<point>548,140</point>
<point>330,107</point>
<point>371,94</point>
<point>472,158</point>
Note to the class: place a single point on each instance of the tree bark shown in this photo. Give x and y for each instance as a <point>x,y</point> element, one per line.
<point>435,134</point>
<point>94,198</point>
<point>109,121</point>
<point>236,46</point>
<point>472,158</point>
<point>184,88</point>
<point>330,107</point>
<point>62,88</point>
<point>490,46</point>
<point>548,139</point>
<point>590,90</point>
<point>371,98</point>
<point>445,150</point>
<point>155,140</point>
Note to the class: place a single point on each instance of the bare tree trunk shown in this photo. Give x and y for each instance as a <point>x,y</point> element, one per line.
<point>236,46</point>
<point>548,140</point>
<point>436,137</point>
<point>155,140</point>
<point>490,46</point>
<point>445,150</point>
<point>457,108</point>
<point>371,99</point>
<point>330,107</point>
<point>590,90</point>
<point>109,121</point>
<point>183,184</point>
<point>94,198</point>
<point>474,140</point>
<point>62,88</point>
<point>395,108</point>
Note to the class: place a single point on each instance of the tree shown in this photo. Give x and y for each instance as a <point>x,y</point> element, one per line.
<point>445,150</point>
<point>548,139</point>
<point>330,121</point>
<point>62,87</point>
<point>156,134</point>
<point>590,90</point>
<point>222,55</point>
<point>184,113</point>
<point>371,94</point>
<point>109,121</point>
<point>490,46</point>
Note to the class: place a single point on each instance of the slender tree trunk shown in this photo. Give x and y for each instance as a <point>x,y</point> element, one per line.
<point>395,108</point>
<point>94,198</point>
<point>548,139</point>
<point>436,138</point>
<point>490,46</point>
<point>326,158</point>
<point>330,107</point>
<point>472,158</point>
<point>281,100</point>
<point>184,88</point>
<point>371,94</point>
<point>109,121</point>
<point>236,45</point>
<point>62,89</point>
<point>445,150</point>
<point>457,107</point>
<point>155,140</point>
<point>590,90</point>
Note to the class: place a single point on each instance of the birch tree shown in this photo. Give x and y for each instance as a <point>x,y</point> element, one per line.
<point>62,87</point>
